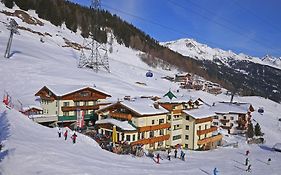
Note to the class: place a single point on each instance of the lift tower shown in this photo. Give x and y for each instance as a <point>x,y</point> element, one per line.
<point>98,57</point>
<point>13,27</point>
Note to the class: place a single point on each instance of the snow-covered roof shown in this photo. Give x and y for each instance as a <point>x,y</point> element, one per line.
<point>61,90</point>
<point>144,106</point>
<point>26,108</point>
<point>141,106</point>
<point>124,125</point>
<point>225,107</point>
<point>200,113</point>
<point>179,99</point>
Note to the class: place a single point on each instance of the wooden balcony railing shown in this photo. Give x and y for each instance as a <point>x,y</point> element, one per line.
<point>203,120</point>
<point>210,139</point>
<point>177,111</point>
<point>155,127</point>
<point>74,108</point>
<point>151,140</point>
<point>205,131</point>
<point>121,115</point>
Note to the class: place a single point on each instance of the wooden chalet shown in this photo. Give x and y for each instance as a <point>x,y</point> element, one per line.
<point>68,102</point>
<point>139,122</point>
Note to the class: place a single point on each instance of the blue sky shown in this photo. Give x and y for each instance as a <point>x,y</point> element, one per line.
<point>249,26</point>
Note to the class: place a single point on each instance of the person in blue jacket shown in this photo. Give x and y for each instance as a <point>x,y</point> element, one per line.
<point>216,171</point>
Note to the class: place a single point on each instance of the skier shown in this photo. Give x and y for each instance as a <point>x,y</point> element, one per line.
<point>249,168</point>
<point>169,155</point>
<point>176,153</point>
<point>59,132</point>
<point>65,135</point>
<point>215,171</point>
<point>157,157</point>
<point>73,137</point>
<point>268,161</point>
<point>182,155</point>
<point>247,161</point>
<point>247,152</point>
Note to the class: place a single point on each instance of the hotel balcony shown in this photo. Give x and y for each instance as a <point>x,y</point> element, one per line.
<point>210,139</point>
<point>75,108</point>
<point>154,127</point>
<point>205,131</point>
<point>120,115</point>
<point>151,140</point>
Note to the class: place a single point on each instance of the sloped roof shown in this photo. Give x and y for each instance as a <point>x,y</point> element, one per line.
<point>200,113</point>
<point>140,106</point>
<point>144,107</point>
<point>170,95</point>
<point>61,90</point>
<point>179,99</point>
<point>124,125</point>
<point>225,107</point>
<point>25,108</point>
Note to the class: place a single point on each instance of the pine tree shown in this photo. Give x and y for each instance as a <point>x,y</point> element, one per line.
<point>250,130</point>
<point>258,130</point>
<point>8,3</point>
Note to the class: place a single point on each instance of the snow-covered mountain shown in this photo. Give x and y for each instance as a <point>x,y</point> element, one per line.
<point>193,49</point>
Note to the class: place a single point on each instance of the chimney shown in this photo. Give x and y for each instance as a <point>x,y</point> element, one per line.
<point>156,105</point>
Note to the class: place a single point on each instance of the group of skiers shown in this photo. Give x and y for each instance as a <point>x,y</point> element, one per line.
<point>247,163</point>
<point>65,134</point>
<point>182,155</point>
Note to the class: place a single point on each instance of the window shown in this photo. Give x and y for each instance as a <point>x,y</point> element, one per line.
<point>206,126</point>
<point>84,94</point>
<point>151,134</point>
<point>161,121</point>
<point>56,103</point>
<point>216,117</point>
<point>224,117</point>
<point>186,137</point>
<point>161,132</point>
<point>187,117</point>
<point>187,127</point>
<point>231,118</point>
<point>169,117</point>
<point>186,145</point>
<point>77,103</point>
<point>199,127</point>
<point>160,144</point>
<point>66,113</point>
<point>215,123</point>
<point>153,122</point>
<point>134,137</point>
<point>176,137</point>
<point>128,138</point>
<point>176,127</point>
<point>65,103</point>
<point>142,135</point>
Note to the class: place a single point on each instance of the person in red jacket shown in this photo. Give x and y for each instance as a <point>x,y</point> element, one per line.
<point>65,135</point>
<point>73,137</point>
